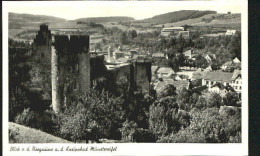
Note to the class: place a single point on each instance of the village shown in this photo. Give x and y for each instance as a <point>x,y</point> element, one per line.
<point>223,80</point>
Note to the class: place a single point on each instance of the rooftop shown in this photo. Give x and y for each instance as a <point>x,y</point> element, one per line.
<point>158,55</point>
<point>236,73</point>
<point>154,69</point>
<point>218,76</point>
<point>181,84</point>
<point>174,28</point>
<point>165,70</point>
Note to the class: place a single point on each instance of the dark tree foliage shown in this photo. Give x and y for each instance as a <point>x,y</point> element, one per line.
<point>183,99</point>
<point>123,38</point>
<point>231,99</point>
<point>174,63</point>
<point>168,90</point>
<point>208,126</point>
<point>19,77</point>
<point>235,46</point>
<point>137,108</point>
<point>161,113</point>
<point>132,34</point>
<point>94,116</point>
<point>201,62</point>
<point>214,100</point>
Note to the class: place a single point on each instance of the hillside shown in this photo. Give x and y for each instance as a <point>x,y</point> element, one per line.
<point>177,16</point>
<point>22,134</point>
<point>229,21</point>
<point>17,21</point>
<point>106,19</point>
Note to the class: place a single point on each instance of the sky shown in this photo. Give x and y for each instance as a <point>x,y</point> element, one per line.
<point>137,9</point>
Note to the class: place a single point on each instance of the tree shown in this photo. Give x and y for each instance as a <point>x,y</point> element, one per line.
<point>181,58</point>
<point>201,103</point>
<point>133,34</point>
<point>171,43</point>
<point>161,116</point>
<point>137,107</point>
<point>201,62</point>
<point>19,77</point>
<point>123,38</point>
<point>208,126</point>
<point>182,98</point>
<point>96,114</point>
<point>162,43</point>
<point>168,90</point>
<point>174,63</point>
<point>231,99</point>
<point>214,100</point>
<point>127,131</point>
<point>235,46</point>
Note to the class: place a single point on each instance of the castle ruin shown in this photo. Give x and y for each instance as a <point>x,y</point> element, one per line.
<point>74,70</point>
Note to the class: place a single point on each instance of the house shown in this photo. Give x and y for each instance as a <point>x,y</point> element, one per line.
<point>171,30</point>
<point>226,65</point>
<point>230,32</point>
<point>132,53</point>
<point>164,72</point>
<point>235,63</point>
<point>211,78</point>
<point>159,55</point>
<point>118,54</point>
<point>236,60</point>
<point>159,86</point>
<point>181,84</point>
<point>209,57</point>
<point>122,60</point>
<point>208,68</point>
<point>139,57</point>
<point>180,77</point>
<point>237,81</point>
<point>221,89</point>
<point>188,54</point>
<point>154,69</point>
<point>168,80</point>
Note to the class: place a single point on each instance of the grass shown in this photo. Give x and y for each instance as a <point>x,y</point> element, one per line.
<point>22,134</point>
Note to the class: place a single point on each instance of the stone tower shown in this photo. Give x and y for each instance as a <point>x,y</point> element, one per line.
<point>70,67</point>
<point>42,44</point>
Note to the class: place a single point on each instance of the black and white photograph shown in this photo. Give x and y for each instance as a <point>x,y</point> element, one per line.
<point>125,74</point>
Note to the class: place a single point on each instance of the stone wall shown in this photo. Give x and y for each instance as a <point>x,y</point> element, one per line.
<point>142,75</point>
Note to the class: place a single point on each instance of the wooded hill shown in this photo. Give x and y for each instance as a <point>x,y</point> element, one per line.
<point>177,16</point>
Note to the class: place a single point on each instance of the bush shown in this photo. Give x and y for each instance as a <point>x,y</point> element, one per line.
<point>128,130</point>
<point>27,118</point>
<point>231,99</point>
<point>143,135</point>
<point>214,100</point>
<point>13,133</point>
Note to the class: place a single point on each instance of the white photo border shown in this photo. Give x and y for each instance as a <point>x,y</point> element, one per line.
<point>137,148</point>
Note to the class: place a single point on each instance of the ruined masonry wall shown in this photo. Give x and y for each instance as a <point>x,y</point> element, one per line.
<point>54,81</point>
<point>143,76</point>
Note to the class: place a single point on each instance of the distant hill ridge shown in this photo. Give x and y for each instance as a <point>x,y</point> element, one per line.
<point>177,16</point>
<point>106,19</point>
<point>33,18</point>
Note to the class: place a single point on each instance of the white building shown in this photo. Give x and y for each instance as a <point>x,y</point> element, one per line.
<point>171,30</point>
<point>230,32</point>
